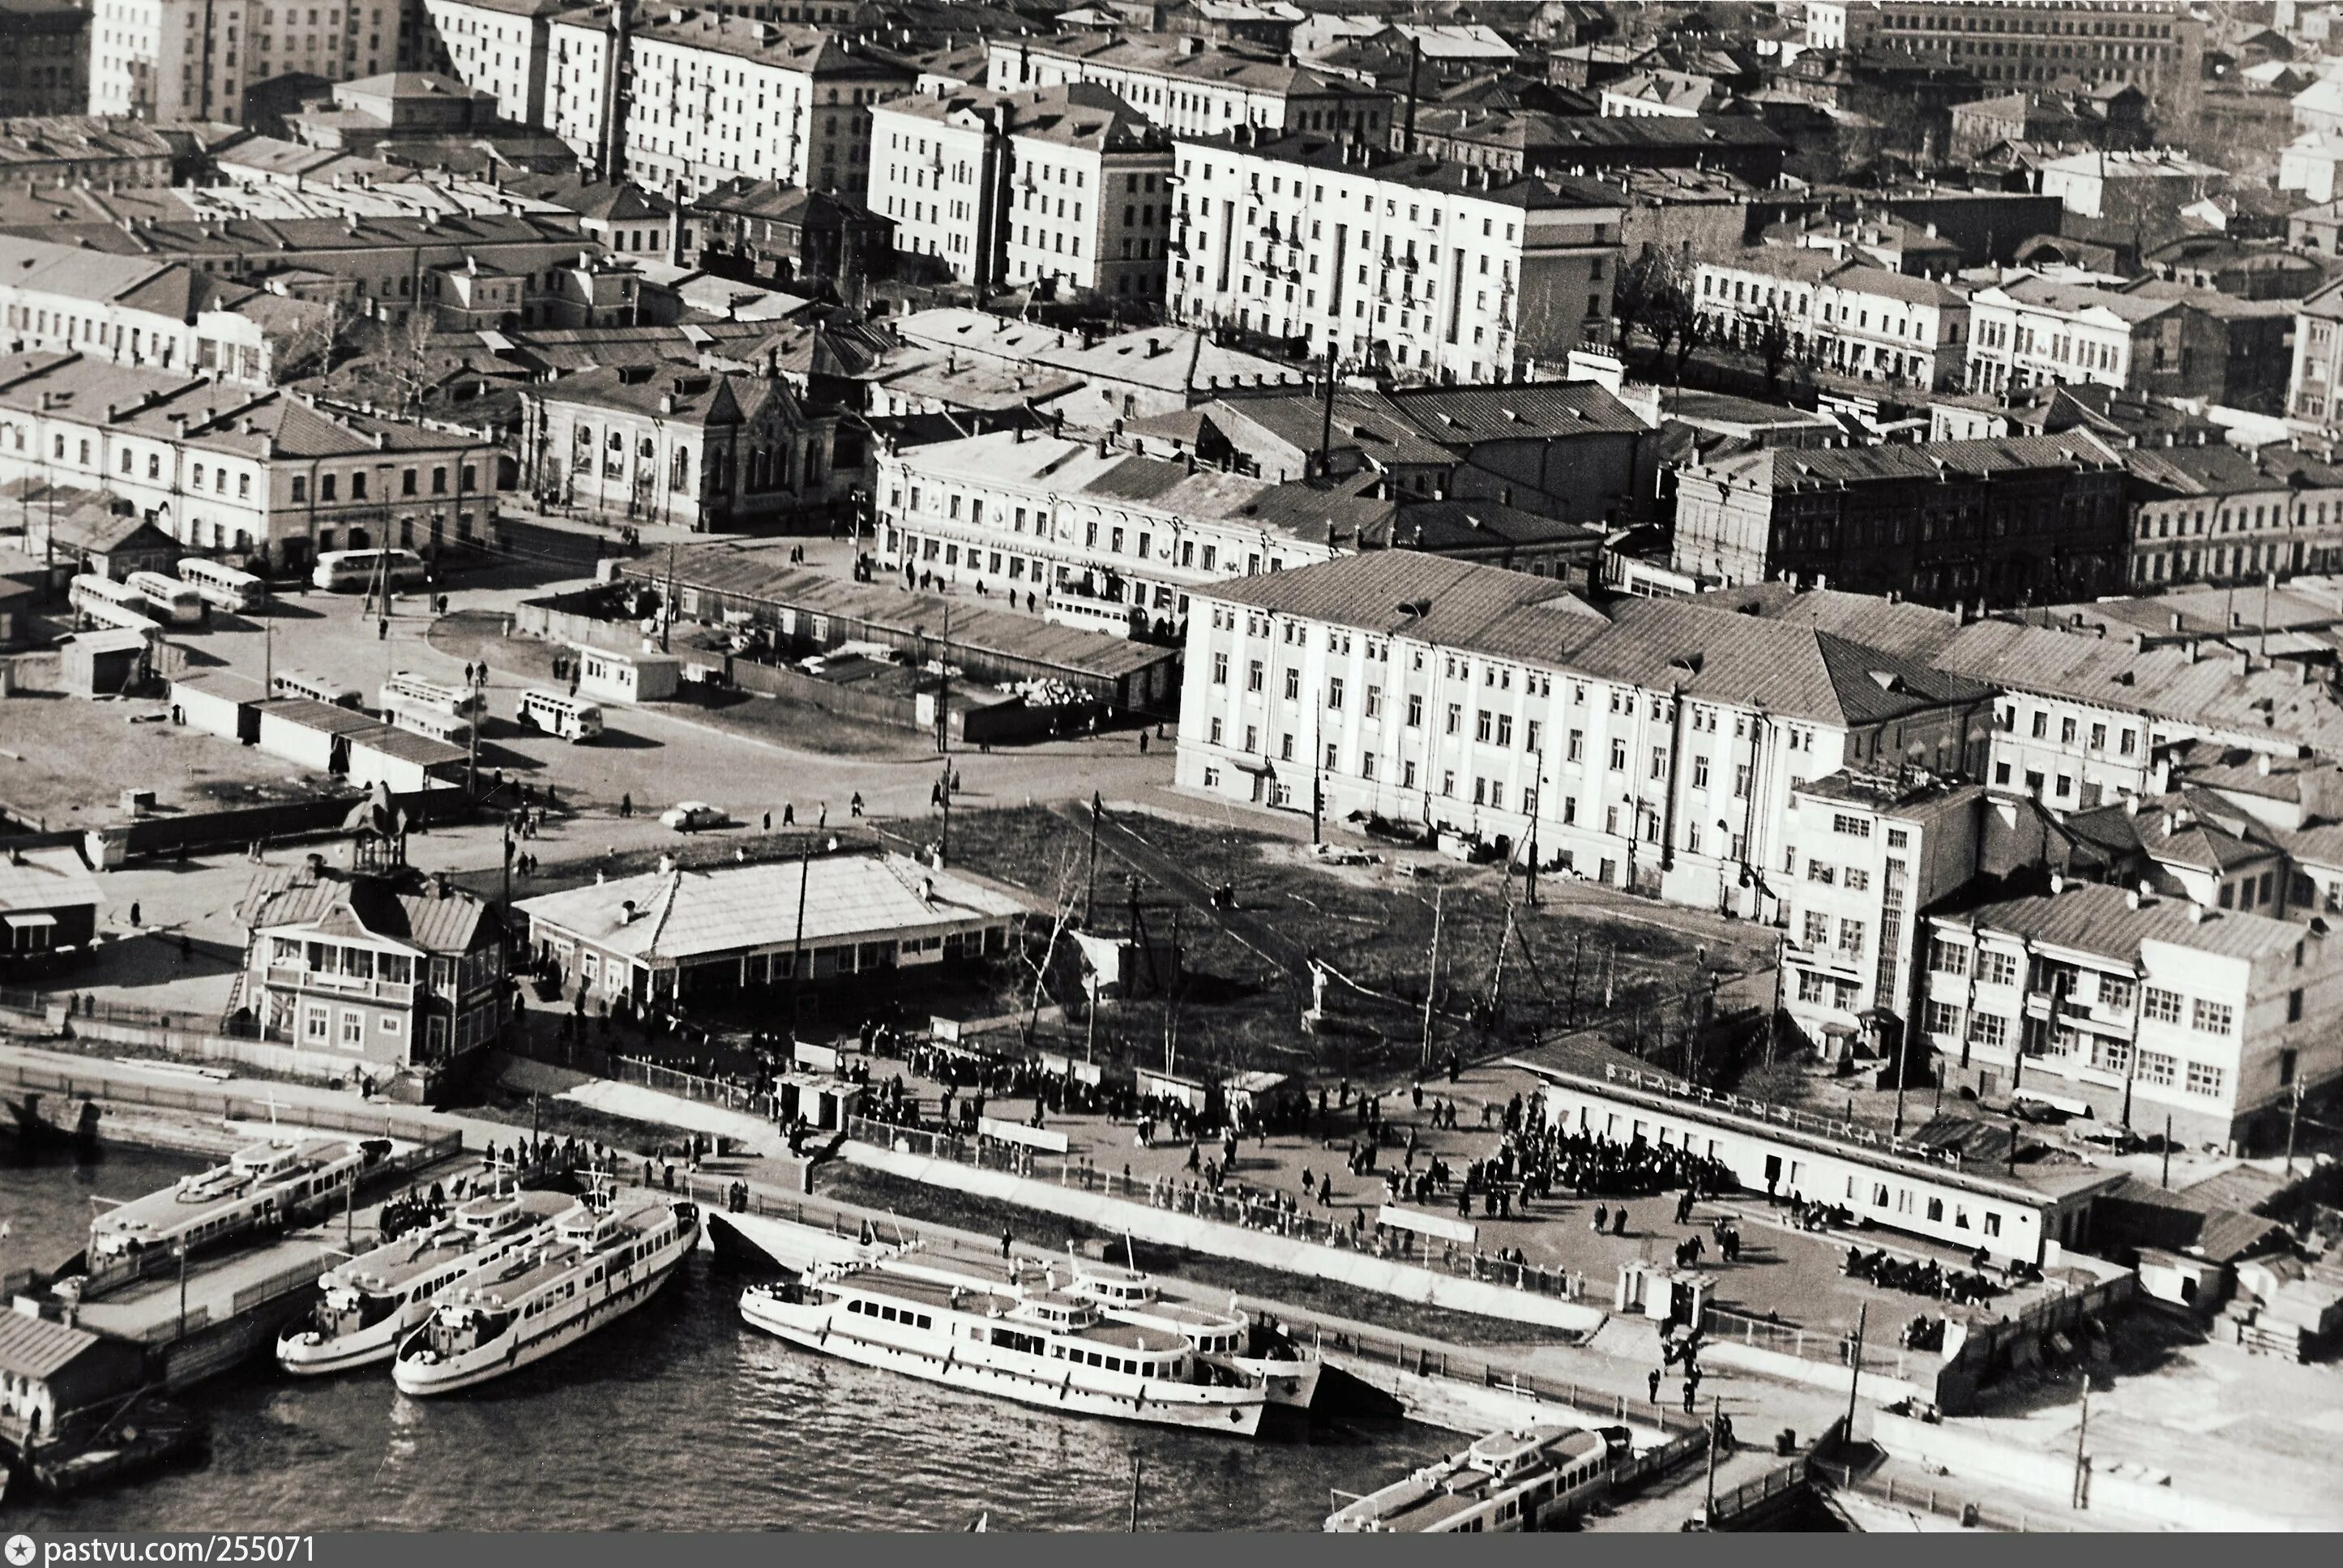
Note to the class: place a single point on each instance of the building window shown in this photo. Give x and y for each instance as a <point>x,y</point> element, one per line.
<point>1987,1028</point>
<point>2156,1067</point>
<point>2213,1017</point>
<point>1942,1018</point>
<point>2162,1006</point>
<point>1995,967</point>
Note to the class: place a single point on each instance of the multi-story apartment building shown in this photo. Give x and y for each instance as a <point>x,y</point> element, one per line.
<point>1533,142</point>
<point>2034,330</point>
<point>2157,45</point>
<point>44,56</point>
<point>2314,397</point>
<point>1090,535</point>
<point>1432,270</point>
<point>384,971</point>
<point>689,448</point>
<point>2019,519</point>
<point>1068,187</point>
<point>685,100</point>
<point>1654,746</point>
<point>1868,853</point>
<point>1193,88</point>
<point>2133,1008</point>
<point>140,312</point>
<point>499,47</point>
<point>2220,514</point>
<point>192,59</point>
<point>1845,316</point>
<point>1841,24</point>
<point>239,472</point>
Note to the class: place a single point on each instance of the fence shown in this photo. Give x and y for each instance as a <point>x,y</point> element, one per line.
<point>693,1086</point>
<point>1942,1502</point>
<point>1247,1210</point>
<point>1424,1361</point>
<point>1833,1345</point>
<point>1749,1496</point>
<point>213,1102</point>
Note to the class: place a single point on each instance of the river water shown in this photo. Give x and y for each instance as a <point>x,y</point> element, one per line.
<point>677,1418</point>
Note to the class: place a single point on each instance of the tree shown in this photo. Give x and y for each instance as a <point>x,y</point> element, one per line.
<point>1774,345</point>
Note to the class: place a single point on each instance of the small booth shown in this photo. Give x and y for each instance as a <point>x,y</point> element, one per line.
<point>1247,1092</point>
<point>1186,1091</point>
<point>822,1102</point>
<point>643,675</point>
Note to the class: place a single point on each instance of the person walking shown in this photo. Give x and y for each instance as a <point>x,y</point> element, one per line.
<point>1005,1240</point>
<point>626,805</point>
<point>1655,1380</point>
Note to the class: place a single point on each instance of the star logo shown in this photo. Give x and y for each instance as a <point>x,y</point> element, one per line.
<point>20,1551</point>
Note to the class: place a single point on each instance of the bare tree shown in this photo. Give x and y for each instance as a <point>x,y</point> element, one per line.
<point>1067,899</point>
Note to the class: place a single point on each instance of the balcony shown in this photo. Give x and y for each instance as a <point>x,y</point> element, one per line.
<point>392,993</point>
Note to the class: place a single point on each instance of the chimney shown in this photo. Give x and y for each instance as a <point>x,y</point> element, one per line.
<point>2175,620</point>
<point>667,865</point>
<point>2057,884</point>
<point>2131,897</point>
<point>2197,914</point>
<point>314,866</point>
<point>626,911</point>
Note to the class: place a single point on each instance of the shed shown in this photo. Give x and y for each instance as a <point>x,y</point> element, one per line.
<point>314,735</point>
<point>50,1372</point>
<point>99,539</point>
<point>48,901</point>
<point>404,761</point>
<point>106,663</point>
<point>218,702</point>
<point>609,675</point>
<point>1186,1091</point>
<point>1248,1092</point>
<point>18,599</point>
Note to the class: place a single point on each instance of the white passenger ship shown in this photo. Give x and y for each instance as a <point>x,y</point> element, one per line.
<point>605,1258</point>
<point>371,1301</point>
<point>1287,1370</point>
<point>1042,1347</point>
<point>1524,1477</point>
<point>262,1187</point>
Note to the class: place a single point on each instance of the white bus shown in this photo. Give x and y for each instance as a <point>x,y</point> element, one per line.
<point>170,600</point>
<point>435,722</point>
<point>105,602</point>
<point>405,689</point>
<point>354,571</point>
<point>223,587</point>
<point>564,717</point>
<point>315,687</point>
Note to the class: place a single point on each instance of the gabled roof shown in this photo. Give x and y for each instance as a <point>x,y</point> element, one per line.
<point>53,877</point>
<point>402,909</point>
<point>2097,918</point>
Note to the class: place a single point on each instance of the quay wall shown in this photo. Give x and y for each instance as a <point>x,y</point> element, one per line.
<point>1405,1280</point>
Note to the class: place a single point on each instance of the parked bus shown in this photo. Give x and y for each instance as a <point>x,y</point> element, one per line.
<point>105,602</point>
<point>437,723</point>
<point>170,600</point>
<point>223,587</point>
<point>405,689</point>
<point>315,687</point>
<point>354,571</point>
<point>564,717</point>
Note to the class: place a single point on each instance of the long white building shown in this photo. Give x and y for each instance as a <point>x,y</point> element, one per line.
<point>1654,746</point>
<point>1437,270</point>
<point>191,59</point>
<point>1195,88</point>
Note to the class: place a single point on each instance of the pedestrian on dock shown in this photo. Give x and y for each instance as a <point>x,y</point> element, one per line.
<point>1006,1239</point>
<point>1655,1380</point>
<point>1688,1396</point>
<point>1602,1218</point>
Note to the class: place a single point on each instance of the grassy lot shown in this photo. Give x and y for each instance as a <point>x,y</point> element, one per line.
<point>941,1206</point>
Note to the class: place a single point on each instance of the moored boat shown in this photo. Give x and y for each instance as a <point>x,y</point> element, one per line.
<point>1286,1368</point>
<point>1521,1478</point>
<point>372,1300</point>
<point>605,1258</point>
<point>1037,1346</point>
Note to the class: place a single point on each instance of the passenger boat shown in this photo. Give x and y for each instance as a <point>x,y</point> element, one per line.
<point>1286,1369</point>
<point>1520,1479</point>
<point>605,1258</point>
<point>371,1301</point>
<point>262,1187</point>
<point>1040,1347</point>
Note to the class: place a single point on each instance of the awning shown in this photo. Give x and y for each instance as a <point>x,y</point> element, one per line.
<point>30,922</point>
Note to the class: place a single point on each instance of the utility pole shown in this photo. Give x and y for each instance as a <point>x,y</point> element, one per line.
<point>667,598</point>
<point>1317,795</point>
<point>1537,804</point>
<point>183,1288</point>
<point>2293,1116</point>
<point>1090,884</point>
<point>472,756</point>
<point>2165,1182</point>
<point>797,948</point>
<point>2081,1495</point>
<point>1715,1416</point>
<point>1432,975</point>
<point>268,656</point>
<point>1326,417</point>
<point>1854,1382</point>
<point>944,735</point>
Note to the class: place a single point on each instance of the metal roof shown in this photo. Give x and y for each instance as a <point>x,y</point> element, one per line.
<point>34,1347</point>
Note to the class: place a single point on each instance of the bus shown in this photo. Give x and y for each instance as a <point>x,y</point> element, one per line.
<point>564,717</point>
<point>223,587</point>
<point>355,571</point>
<point>105,602</point>
<point>435,722</point>
<point>405,689</point>
<point>170,600</point>
<point>316,688</point>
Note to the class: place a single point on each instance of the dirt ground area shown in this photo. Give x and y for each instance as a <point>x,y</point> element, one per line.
<point>65,760</point>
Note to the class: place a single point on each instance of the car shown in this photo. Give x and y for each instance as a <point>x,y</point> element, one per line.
<point>692,815</point>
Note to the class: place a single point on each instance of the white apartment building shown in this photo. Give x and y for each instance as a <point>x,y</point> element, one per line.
<point>1867,852</point>
<point>1090,535</point>
<point>2134,1009</point>
<point>700,98</point>
<point>1195,88</point>
<point>238,472</point>
<point>2315,385</point>
<point>500,46</point>
<point>138,311</point>
<point>1067,185</point>
<point>1857,319</point>
<point>1435,270</point>
<point>1841,24</point>
<point>191,59</point>
<point>2032,331</point>
<point>2220,514</point>
<point>1654,747</point>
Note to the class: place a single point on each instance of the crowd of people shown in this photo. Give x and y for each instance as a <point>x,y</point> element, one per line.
<point>1921,1277</point>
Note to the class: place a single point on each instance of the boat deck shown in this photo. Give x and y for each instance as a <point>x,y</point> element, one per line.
<point>501,1288</point>
<point>389,1266</point>
<point>981,1298</point>
<point>183,1202</point>
<point>1431,1511</point>
<point>219,1287</point>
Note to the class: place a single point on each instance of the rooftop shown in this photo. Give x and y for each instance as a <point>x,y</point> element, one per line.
<point>2103,922</point>
<point>1418,171</point>
<point>434,917</point>
<point>678,915</point>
